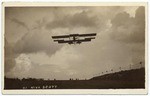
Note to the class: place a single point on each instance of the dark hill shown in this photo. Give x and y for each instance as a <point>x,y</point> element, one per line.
<point>127,75</point>
<point>129,79</point>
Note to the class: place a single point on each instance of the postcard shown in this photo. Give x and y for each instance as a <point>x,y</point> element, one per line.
<point>74,48</point>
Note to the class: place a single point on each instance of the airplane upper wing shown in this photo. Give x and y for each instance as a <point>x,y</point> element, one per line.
<point>67,36</point>
<point>91,34</point>
<point>61,36</point>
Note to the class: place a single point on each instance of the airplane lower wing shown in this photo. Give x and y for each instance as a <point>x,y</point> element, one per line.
<point>64,41</point>
<point>74,42</point>
<point>90,38</point>
<point>84,40</point>
<point>58,40</point>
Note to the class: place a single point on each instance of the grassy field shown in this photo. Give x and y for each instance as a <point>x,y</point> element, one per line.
<point>121,80</point>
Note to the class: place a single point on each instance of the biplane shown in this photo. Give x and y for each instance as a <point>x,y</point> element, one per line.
<point>74,38</point>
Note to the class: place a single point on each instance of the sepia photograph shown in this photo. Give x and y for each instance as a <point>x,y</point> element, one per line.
<point>57,47</point>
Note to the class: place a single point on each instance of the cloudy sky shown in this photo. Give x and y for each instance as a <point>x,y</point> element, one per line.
<point>31,52</point>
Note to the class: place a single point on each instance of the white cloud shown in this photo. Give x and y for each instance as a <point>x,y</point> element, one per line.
<point>65,57</point>
<point>129,29</point>
<point>131,10</point>
<point>21,68</point>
